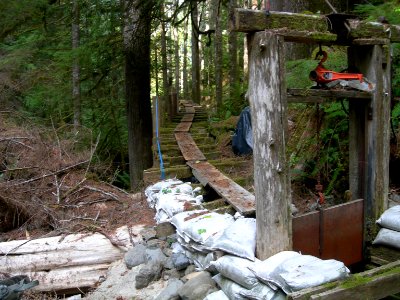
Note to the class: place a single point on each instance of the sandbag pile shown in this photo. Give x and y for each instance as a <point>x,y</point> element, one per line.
<point>170,197</point>
<point>389,234</point>
<point>201,234</point>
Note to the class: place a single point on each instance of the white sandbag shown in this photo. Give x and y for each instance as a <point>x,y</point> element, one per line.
<point>264,269</point>
<point>259,291</point>
<point>230,288</point>
<point>263,292</point>
<point>388,237</point>
<point>180,219</point>
<point>200,228</point>
<point>239,239</point>
<point>236,269</point>
<point>201,261</point>
<point>170,204</point>
<point>219,295</point>
<point>390,219</point>
<point>306,271</point>
<point>184,188</point>
<point>161,216</point>
<point>152,191</point>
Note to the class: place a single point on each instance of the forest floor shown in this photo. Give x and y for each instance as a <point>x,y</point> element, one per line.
<point>48,187</point>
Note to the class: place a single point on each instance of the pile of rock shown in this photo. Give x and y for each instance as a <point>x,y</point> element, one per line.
<point>158,260</point>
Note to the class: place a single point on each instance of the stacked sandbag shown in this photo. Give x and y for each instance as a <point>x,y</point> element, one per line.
<point>389,234</point>
<point>170,197</point>
<point>291,271</point>
<point>224,245</point>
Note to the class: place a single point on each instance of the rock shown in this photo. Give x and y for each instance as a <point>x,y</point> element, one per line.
<point>148,233</point>
<point>135,256</point>
<point>189,276</point>
<point>148,273</point>
<point>171,291</point>
<point>155,255</point>
<point>168,274</point>
<point>198,287</point>
<point>180,261</point>
<point>120,284</point>
<point>167,251</point>
<point>190,269</point>
<point>156,243</point>
<point>169,263</point>
<point>164,229</point>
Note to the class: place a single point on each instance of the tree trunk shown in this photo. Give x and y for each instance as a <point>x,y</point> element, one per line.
<point>233,64</point>
<point>76,90</point>
<point>165,108</point>
<point>136,34</point>
<point>296,50</point>
<point>184,67</point>
<point>218,55</point>
<point>177,64</point>
<point>195,56</point>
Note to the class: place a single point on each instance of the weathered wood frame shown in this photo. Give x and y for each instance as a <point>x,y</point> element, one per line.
<point>369,116</point>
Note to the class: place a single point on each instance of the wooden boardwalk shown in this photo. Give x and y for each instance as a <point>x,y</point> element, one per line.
<point>241,199</point>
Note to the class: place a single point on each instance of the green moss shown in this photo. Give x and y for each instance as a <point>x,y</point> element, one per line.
<point>354,281</point>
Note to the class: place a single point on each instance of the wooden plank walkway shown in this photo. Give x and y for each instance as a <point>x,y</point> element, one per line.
<point>188,147</point>
<point>241,199</point>
<point>183,127</point>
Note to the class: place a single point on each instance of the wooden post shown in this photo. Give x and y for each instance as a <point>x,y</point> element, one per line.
<point>373,120</point>
<point>267,94</point>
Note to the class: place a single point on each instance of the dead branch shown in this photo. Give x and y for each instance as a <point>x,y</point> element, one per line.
<point>15,138</point>
<point>111,195</point>
<point>80,204</point>
<point>115,187</point>
<point>50,174</point>
<point>20,169</point>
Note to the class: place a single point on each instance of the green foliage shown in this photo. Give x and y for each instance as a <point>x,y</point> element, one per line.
<point>297,71</point>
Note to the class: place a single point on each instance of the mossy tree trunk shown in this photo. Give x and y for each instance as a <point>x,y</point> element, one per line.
<point>136,36</point>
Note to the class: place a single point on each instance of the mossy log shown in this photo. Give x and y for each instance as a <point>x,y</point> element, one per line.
<point>372,284</point>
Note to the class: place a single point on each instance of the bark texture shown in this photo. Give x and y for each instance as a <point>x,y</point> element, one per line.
<point>195,56</point>
<point>136,36</point>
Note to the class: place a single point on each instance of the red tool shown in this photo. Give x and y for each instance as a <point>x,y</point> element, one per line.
<point>322,75</point>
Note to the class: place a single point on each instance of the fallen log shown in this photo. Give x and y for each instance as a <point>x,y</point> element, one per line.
<point>66,263</point>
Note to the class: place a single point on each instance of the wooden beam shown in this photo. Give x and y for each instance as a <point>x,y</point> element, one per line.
<point>311,28</point>
<point>267,95</point>
<point>371,166</point>
<point>372,284</point>
<point>248,20</point>
<point>322,96</point>
<point>367,30</point>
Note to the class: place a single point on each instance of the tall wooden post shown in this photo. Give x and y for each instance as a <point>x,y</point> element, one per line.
<point>267,94</point>
<point>373,120</point>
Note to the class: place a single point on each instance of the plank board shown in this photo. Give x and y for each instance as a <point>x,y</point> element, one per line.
<point>189,109</point>
<point>187,117</point>
<point>183,127</point>
<point>241,199</point>
<point>188,147</point>
<point>321,96</point>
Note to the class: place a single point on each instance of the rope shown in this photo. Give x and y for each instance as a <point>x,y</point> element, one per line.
<point>158,144</point>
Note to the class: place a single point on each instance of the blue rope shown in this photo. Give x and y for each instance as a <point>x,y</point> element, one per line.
<point>158,144</point>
